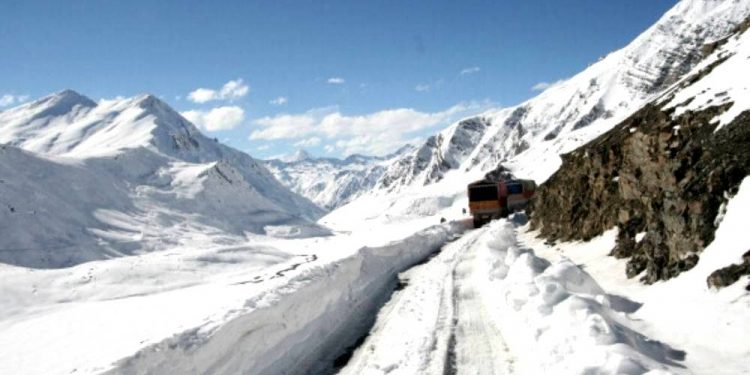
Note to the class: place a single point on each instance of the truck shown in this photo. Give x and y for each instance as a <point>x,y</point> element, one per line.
<point>490,200</point>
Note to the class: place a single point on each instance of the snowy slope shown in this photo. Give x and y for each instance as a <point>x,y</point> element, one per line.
<point>726,83</point>
<point>68,124</point>
<point>529,138</point>
<point>330,182</point>
<point>125,176</point>
<point>573,111</point>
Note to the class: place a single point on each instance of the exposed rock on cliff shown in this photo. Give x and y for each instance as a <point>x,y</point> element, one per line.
<point>654,174</point>
<point>730,274</point>
<point>662,176</point>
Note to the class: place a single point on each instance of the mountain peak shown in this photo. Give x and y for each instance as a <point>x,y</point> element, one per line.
<point>298,155</point>
<point>153,103</point>
<point>64,100</point>
<point>147,99</point>
<point>68,123</point>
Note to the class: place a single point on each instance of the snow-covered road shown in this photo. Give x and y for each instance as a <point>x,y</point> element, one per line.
<point>481,303</point>
<point>438,323</point>
<point>485,305</point>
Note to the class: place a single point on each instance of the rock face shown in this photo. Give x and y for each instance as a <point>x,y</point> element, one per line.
<point>665,177</point>
<point>730,274</point>
<point>664,173</point>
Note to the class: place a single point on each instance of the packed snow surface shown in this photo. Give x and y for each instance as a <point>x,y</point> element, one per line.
<point>270,306</point>
<point>489,305</point>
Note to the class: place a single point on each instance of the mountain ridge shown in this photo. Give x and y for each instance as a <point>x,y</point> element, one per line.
<point>156,171</point>
<point>588,103</point>
<point>331,182</point>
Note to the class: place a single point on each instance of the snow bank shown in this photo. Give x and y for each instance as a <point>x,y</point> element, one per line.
<point>556,319</point>
<point>298,328</point>
<point>412,334</point>
<point>709,325</point>
<point>486,304</point>
<point>296,231</point>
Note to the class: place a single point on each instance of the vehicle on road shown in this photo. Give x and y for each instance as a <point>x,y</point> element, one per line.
<point>490,200</point>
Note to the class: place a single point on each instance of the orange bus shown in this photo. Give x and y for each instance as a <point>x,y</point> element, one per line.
<point>490,200</point>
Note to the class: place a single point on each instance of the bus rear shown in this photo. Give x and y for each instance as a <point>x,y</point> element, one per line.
<point>484,201</point>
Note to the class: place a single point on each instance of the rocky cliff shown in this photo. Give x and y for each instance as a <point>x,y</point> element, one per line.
<point>662,176</point>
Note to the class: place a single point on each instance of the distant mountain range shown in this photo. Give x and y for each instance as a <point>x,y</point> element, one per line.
<point>529,137</point>
<point>330,182</point>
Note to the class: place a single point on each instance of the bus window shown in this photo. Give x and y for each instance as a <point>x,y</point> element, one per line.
<point>483,193</point>
<point>515,189</point>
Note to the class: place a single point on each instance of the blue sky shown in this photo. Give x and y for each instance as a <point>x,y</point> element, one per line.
<point>335,77</point>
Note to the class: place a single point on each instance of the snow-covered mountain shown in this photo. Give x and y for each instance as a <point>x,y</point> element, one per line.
<point>575,110</point>
<point>124,176</point>
<point>331,182</point>
<point>528,138</point>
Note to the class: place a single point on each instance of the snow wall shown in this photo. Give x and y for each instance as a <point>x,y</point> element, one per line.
<point>299,328</point>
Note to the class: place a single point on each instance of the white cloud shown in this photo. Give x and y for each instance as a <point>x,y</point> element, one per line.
<point>219,118</point>
<point>309,142</point>
<point>541,86</point>
<point>422,88</point>
<point>8,99</point>
<point>376,133</point>
<point>281,100</point>
<point>286,126</point>
<point>336,81</point>
<point>231,90</point>
<point>202,95</point>
<point>426,87</point>
<point>471,70</point>
<point>263,147</point>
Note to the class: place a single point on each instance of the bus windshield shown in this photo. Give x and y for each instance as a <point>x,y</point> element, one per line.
<point>483,193</point>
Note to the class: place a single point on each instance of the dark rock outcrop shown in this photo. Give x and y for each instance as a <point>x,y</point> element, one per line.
<point>730,274</point>
<point>500,173</point>
<point>665,176</point>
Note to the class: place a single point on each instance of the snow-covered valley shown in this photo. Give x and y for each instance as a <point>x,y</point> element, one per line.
<point>230,309</point>
<point>132,243</point>
<point>490,300</point>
